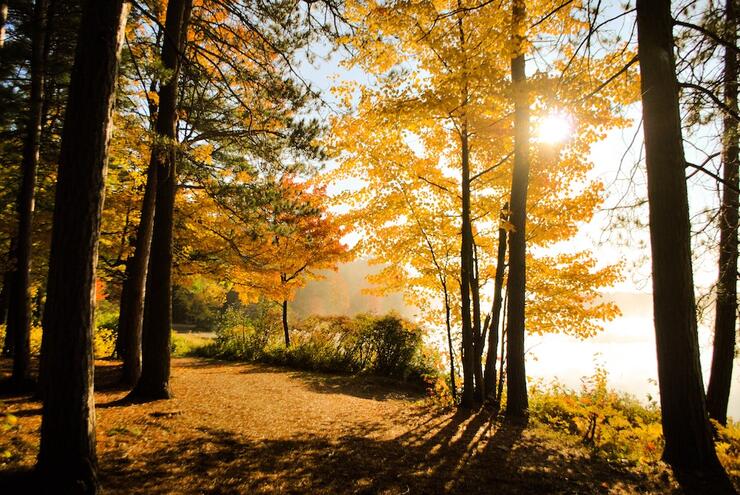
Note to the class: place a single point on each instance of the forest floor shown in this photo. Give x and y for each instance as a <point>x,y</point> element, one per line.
<point>252,429</point>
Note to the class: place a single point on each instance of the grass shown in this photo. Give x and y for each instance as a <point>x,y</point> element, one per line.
<point>188,344</point>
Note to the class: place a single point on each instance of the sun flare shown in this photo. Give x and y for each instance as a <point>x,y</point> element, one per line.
<point>554,128</point>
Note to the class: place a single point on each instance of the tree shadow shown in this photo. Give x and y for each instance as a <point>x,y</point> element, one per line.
<point>363,386</point>
<point>463,453</point>
<point>208,362</point>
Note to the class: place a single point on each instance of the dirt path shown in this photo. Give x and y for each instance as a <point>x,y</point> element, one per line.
<point>244,429</point>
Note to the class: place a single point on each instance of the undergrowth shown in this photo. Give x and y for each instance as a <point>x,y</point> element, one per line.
<point>616,425</point>
<point>379,345</point>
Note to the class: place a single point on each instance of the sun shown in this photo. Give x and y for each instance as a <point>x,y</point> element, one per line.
<point>554,128</point>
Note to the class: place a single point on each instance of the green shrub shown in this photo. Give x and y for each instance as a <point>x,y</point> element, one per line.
<point>381,345</point>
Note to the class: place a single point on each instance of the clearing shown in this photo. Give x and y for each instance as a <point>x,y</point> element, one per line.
<point>237,428</point>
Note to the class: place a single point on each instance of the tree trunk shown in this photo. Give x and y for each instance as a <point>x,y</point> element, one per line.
<point>477,331</point>
<point>153,383</point>
<point>516,379</point>
<point>720,378</point>
<point>688,441</point>
<point>466,275</point>
<point>285,323</point>
<point>502,374</point>
<point>131,312</point>
<point>67,460</point>
<point>489,378</point>
<point>131,307</point>
<point>19,314</point>
<point>448,322</point>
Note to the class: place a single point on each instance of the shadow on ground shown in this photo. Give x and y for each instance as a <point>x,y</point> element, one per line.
<point>442,453</point>
<point>452,454</point>
<point>364,387</point>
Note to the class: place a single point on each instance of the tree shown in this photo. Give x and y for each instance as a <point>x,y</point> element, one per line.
<point>440,100</point>
<point>67,457</point>
<point>688,441</point>
<point>516,378</point>
<point>720,378</point>
<point>155,370</point>
<point>19,313</point>
<point>306,239</point>
<point>491,325</point>
<point>131,313</point>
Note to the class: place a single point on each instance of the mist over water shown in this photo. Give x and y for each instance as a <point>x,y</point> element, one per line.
<point>626,348</point>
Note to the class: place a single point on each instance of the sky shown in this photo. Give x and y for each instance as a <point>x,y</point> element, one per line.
<point>626,348</point>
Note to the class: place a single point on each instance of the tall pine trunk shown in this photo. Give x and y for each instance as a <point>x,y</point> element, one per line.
<point>720,378</point>
<point>131,307</point>
<point>131,313</point>
<point>516,380</point>
<point>67,460</point>
<point>688,440</point>
<point>155,370</point>
<point>19,314</point>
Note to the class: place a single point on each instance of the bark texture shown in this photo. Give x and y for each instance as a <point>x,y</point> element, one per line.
<point>517,402</point>
<point>688,441</point>
<point>19,314</point>
<point>720,378</point>
<point>153,383</point>
<point>131,312</point>
<point>67,460</point>
<point>131,308</point>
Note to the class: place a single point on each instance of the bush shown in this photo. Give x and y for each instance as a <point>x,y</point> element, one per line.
<point>385,346</point>
<point>106,328</point>
<point>615,424</point>
<point>727,442</point>
<point>104,337</point>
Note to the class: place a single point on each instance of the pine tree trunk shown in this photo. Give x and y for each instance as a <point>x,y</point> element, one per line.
<point>67,460</point>
<point>516,379</point>
<point>131,314</point>
<point>720,378</point>
<point>153,383</point>
<point>286,331</point>
<point>19,314</point>
<point>490,373</point>
<point>688,441</point>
